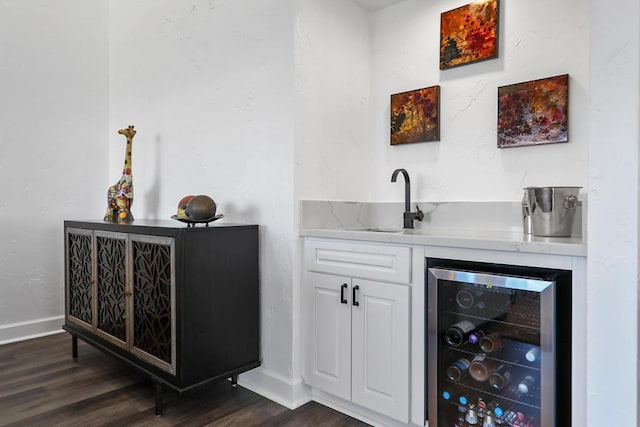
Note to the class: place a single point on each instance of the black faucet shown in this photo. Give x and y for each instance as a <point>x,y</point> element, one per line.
<point>408,216</point>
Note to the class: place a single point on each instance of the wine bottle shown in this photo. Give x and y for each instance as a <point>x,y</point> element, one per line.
<point>471,418</point>
<point>459,333</point>
<point>519,419</point>
<point>464,299</point>
<point>495,407</point>
<point>458,369</point>
<point>468,297</point>
<point>490,343</point>
<point>532,354</point>
<point>526,384</point>
<point>510,417</point>
<point>481,403</point>
<point>481,367</point>
<point>460,421</point>
<point>500,377</point>
<point>488,422</point>
<point>482,408</point>
<point>475,336</point>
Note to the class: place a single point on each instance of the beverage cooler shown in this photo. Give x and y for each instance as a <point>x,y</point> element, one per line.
<point>498,345</point>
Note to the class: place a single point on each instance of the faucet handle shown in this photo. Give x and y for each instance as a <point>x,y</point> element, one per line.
<point>419,214</point>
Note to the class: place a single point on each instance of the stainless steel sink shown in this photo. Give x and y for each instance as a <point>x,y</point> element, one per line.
<point>377,229</point>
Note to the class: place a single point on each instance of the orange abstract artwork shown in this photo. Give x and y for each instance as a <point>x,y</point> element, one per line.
<point>469,34</point>
<point>535,112</point>
<point>415,116</point>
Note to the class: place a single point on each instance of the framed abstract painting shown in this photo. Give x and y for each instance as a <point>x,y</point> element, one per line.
<point>534,112</point>
<point>415,116</point>
<point>469,34</point>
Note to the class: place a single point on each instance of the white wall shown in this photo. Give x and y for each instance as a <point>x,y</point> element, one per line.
<point>536,40</point>
<point>209,87</point>
<point>612,292</point>
<point>53,123</point>
<point>333,86</point>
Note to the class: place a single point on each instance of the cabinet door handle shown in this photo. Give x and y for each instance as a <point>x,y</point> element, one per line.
<point>343,300</point>
<point>355,295</point>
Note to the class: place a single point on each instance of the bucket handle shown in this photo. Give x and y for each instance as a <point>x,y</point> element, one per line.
<point>570,202</point>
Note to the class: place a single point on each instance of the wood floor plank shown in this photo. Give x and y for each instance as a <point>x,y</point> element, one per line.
<point>94,410</point>
<point>310,415</point>
<point>260,411</point>
<point>41,385</point>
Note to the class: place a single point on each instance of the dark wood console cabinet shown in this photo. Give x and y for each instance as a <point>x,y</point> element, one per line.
<point>179,304</point>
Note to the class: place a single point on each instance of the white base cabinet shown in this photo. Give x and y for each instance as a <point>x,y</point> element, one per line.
<point>358,332</point>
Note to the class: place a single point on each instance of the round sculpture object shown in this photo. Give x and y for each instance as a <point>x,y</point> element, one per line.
<point>182,207</point>
<point>194,210</point>
<point>201,208</point>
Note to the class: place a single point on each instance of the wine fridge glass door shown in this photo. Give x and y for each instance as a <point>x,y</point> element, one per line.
<point>490,349</point>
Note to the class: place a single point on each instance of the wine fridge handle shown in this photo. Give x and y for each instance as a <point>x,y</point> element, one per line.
<point>343,300</point>
<point>355,295</point>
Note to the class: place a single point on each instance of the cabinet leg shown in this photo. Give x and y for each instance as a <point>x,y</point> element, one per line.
<point>158,388</point>
<point>234,380</point>
<point>74,346</point>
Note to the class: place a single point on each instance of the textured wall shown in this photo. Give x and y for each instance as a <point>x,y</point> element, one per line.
<point>537,39</point>
<point>209,86</point>
<point>53,122</point>
<point>613,276</point>
<point>333,87</point>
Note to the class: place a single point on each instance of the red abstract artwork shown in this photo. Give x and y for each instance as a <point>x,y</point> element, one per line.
<point>535,112</point>
<point>415,116</point>
<point>469,34</point>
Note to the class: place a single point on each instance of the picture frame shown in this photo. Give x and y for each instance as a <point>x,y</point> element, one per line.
<point>469,34</point>
<point>415,116</point>
<point>534,112</point>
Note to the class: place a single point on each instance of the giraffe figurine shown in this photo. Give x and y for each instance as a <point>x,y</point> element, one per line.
<point>120,195</point>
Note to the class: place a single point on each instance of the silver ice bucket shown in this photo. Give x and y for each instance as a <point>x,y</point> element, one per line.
<point>552,210</point>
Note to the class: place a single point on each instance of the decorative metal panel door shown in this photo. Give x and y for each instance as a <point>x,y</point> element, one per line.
<point>111,286</point>
<point>153,300</point>
<point>79,277</point>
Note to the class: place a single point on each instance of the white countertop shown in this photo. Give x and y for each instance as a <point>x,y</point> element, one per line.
<point>472,239</point>
<point>338,220</point>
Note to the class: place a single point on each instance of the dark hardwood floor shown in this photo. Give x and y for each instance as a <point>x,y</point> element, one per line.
<point>41,385</point>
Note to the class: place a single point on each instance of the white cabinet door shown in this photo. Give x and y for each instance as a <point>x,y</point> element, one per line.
<point>380,345</point>
<point>330,358</point>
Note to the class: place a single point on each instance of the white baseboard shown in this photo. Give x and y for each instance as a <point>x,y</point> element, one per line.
<point>282,390</point>
<point>21,331</point>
